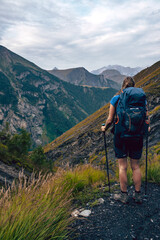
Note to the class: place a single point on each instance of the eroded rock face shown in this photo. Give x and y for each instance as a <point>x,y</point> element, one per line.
<point>28,117</point>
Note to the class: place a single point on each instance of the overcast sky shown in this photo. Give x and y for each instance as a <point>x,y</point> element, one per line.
<point>76,33</point>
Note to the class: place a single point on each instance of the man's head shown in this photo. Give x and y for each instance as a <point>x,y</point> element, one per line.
<point>128,82</point>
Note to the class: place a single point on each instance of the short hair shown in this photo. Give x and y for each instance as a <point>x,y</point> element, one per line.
<point>128,82</point>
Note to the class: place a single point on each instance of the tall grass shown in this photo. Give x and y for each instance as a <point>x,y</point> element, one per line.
<point>153,171</point>
<point>40,208</point>
<point>84,176</point>
<point>86,182</point>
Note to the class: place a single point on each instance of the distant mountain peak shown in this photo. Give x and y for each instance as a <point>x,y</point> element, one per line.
<point>128,71</point>
<point>55,68</point>
<point>111,71</point>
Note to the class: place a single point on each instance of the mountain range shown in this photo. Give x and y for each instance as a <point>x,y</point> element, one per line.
<point>80,76</point>
<point>110,76</point>
<point>84,142</point>
<point>127,71</point>
<point>46,106</point>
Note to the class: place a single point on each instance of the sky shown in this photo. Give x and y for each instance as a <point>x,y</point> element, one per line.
<point>82,33</point>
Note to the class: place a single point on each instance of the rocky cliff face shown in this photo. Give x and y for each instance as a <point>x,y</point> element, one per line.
<point>40,102</point>
<point>84,142</point>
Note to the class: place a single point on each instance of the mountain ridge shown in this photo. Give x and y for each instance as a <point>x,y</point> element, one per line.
<point>81,76</point>
<point>40,102</point>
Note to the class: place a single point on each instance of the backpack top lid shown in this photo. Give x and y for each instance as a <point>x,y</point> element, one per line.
<point>133,97</point>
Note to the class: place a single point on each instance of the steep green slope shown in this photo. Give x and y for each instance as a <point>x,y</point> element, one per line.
<point>45,105</point>
<point>84,142</point>
<point>7,93</point>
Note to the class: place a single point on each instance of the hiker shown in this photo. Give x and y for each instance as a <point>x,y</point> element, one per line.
<point>128,142</point>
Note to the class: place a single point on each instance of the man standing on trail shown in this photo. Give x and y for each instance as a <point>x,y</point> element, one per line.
<point>130,110</point>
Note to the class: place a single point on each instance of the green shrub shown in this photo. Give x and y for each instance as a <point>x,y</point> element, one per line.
<point>19,144</point>
<point>37,156</point>
<point>39,159</point>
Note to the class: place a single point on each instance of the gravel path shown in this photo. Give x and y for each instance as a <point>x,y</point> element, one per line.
<point>116,221</point>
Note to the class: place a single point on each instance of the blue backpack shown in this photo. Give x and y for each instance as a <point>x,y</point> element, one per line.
<point>131,113</point>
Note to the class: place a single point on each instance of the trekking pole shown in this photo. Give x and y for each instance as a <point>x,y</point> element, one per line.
<point>146,158</point>
<point>105,147</point>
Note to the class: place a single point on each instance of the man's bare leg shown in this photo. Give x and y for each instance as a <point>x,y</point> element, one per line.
<point>136,174</point>
<point>123,173</point>
<point>123,195</point>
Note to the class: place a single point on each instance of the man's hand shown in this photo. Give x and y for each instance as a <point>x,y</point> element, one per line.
<point>103,128</point>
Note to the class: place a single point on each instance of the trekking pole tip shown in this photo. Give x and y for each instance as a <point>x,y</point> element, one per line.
<point>145,197</point>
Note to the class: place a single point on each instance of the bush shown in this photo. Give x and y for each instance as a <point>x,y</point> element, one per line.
<point>19,144</point>
<point>37,156</point>
<point>14,149</point>
<point>39,159</point>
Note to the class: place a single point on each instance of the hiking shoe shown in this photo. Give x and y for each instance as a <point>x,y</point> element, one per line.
<point>122,197</point>
<point>137,196</point>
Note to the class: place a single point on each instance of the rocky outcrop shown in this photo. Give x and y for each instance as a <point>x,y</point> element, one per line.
<point>9,173</point>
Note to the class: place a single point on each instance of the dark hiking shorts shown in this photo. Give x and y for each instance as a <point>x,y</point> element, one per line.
<point>131,147</point>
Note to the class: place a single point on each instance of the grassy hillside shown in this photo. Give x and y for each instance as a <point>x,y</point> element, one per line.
<point>149,79</point>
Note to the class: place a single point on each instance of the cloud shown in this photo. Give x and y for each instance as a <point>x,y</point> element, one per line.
<point>87,33</point>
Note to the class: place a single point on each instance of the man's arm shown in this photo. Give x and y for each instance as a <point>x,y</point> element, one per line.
<point>109,119</point>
